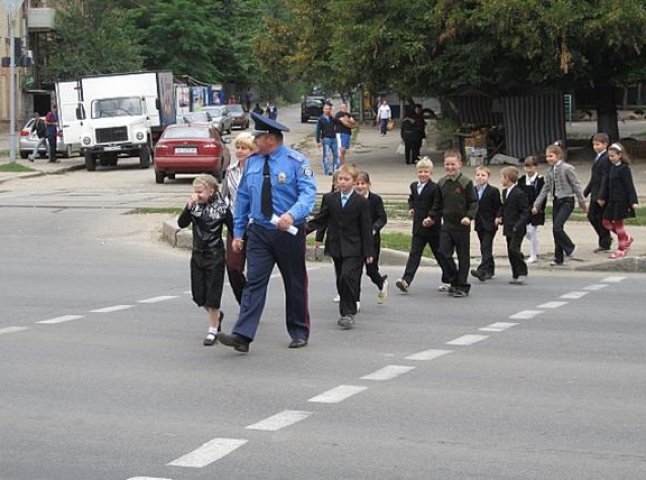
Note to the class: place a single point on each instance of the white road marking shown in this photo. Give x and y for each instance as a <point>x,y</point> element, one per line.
<point>64,318</point>
<point>161,298</point>
<point>574,295</point>
<point>525,314</point>
<point>428,354</point>
<point>595,287</point>
<point>114,308</point>
<point>280,420</point>
<point>148,478</point>
<point>465,340</point>
<point>612,279</point>
<point>208,453</point>
<point>12,329</point>
<point>337,394</point>
<point>498,327</point>
<point>388,372</point>
<point>552,304</point>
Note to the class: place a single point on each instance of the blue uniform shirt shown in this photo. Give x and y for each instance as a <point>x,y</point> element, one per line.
<point>293,189</point>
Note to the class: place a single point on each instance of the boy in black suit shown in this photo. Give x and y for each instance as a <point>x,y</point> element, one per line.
<point>420,201</point>
<point>600,170</point>
<point>349,235</point>
<point>485,222</point>
<point>514,215</point>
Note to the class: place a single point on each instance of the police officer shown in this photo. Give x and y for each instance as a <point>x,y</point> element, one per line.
<point>276,194</point>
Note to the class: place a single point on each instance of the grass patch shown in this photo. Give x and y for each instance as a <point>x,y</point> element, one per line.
<point>579,216</point>
<point>148,210</point>
<point>15,167</point>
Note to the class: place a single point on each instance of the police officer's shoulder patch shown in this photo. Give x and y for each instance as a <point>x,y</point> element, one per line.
<point>307,171</point>
<point>297,156</point>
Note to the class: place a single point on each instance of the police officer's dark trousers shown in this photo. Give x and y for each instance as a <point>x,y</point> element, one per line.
<point>266,248</point>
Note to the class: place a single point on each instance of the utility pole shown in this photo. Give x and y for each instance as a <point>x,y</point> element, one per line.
<point>12,6</point>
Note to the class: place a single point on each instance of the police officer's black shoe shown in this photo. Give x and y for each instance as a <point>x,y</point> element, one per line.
<point>238,343</point>
<point>298,343</point>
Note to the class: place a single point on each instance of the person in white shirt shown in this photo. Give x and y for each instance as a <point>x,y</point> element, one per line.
<point>383,115</point>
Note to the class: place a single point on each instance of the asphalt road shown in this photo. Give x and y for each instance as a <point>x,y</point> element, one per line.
<point>104,375</point>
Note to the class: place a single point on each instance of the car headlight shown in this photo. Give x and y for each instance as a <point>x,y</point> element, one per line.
<point>87,140</point>
<point>140,135</point>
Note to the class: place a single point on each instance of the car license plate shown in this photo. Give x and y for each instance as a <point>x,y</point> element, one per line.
<point>186,150</point>
<point>111,149</point>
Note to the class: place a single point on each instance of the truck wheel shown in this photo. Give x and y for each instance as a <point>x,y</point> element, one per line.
<point>90,161</point>
<point>159,177</point>
<point>68,151</point>
<point>304,119</point>
<point>144,157</point>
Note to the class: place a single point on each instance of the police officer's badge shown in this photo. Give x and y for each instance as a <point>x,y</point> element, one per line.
<point>282,177</point>
<point>308,172</point>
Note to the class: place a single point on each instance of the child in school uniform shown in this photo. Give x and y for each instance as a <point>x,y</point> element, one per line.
<point>600,168</point>
<point>485,222</point>
<point>456,204</point>
<point>619,197</point>
<point>514,213</point>
<point>350,243</point>
<point>532,184</point>
<point>379,219</point>
<point>420,200</point>
<point>563,184</point>
<point>208,211</point>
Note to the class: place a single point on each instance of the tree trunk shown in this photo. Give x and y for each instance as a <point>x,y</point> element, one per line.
<point>607,111</point>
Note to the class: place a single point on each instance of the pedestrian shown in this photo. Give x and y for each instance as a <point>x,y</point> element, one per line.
<point>349,230</point>
<point>411,135</point>
<point>485,222</point>
<point>513,216</point>
<point>456,204</point>
<point>563,184</point>
<point>532,183</point>
<point>51,132</point>
<point>383,117</point>
<point>326,138</point>
<point>378,218</point>
<point>321,237</point>
<point>275,195</point>
<point>235,259</point>
<point>40,129</point>
<point>618,196</point>
<point>344,125</point>
<point>272,111</point>
<point>207,210</point>
<point>258,109</point>
<point>601,166</point>
<point>420,201</point>
<point>247,99</point>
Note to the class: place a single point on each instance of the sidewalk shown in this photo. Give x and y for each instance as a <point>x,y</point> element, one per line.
<point>41,167</point>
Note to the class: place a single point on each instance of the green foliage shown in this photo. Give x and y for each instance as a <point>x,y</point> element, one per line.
<point>92,37</point>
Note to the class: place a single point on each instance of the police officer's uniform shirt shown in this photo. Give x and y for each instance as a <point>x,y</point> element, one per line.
<point>293,189</point>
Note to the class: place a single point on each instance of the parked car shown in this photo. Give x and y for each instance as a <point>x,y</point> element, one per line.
<point>190,148</point>
<point>29,139</point>
<point>240,116</point>
<point>192,117</point>
<point>311,107</point>
<point>220,117</point>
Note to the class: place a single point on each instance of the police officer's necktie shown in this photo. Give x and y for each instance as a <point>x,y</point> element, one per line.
<point>267,208</point>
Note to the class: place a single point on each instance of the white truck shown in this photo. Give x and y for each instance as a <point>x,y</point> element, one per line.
<point>118,114</point>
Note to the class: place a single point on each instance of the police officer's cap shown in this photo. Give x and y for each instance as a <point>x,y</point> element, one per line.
<point>266,125</point>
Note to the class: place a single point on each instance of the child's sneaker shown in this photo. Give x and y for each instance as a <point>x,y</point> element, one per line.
<point>383,293</point>
<point>532,260</point>
<point>358,307</point>
<point>210,339</point>
<point>443,287</point>
<point>618,254</point>
<point>337,298</point>
<point>402,285</point>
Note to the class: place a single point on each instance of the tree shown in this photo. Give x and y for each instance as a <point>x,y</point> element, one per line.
<point>92,37</point>
<point>443,47</point>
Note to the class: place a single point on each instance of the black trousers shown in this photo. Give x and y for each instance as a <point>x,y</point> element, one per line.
<point>563,245</point>
<point>51,143</point>
<point>515,255</point>
<point>348,282</point>
<point>487,265</point>
<point>595,214</point>
<point>417,245</point>
<point>372,269</point>
<point>455,239</point>
<point>411,150</point>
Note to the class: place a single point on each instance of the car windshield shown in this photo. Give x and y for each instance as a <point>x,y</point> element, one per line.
<point>197,117</point>
<point>213,111</point>
<point>116,107</point>
<point>236,109</point>
<point>314,102</point>
<point>193,132</point>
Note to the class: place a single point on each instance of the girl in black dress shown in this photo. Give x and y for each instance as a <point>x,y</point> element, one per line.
<point>620,197</point>
<point>532,183</point>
